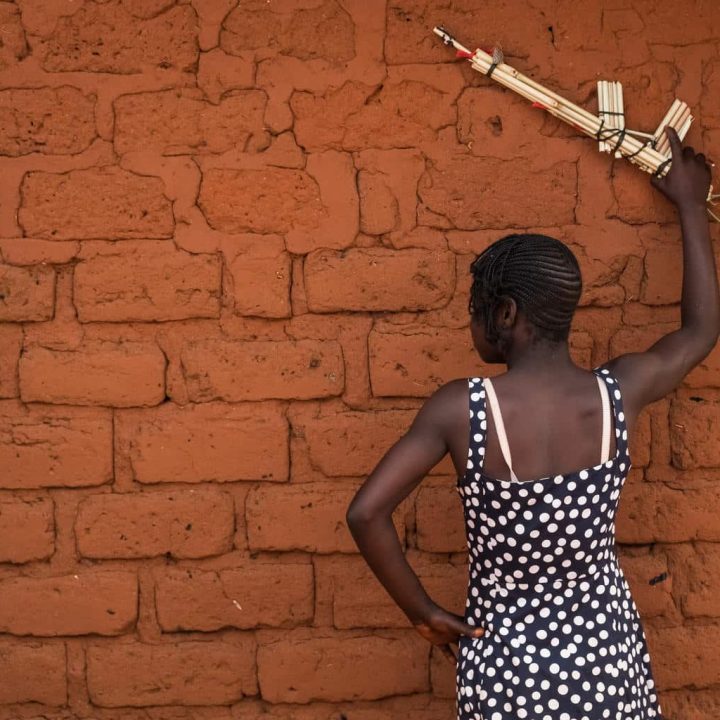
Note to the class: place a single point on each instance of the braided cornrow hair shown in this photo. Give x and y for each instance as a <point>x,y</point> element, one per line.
<point>539,272</point>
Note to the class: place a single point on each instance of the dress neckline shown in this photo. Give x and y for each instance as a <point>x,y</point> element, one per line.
<point>563,476</point>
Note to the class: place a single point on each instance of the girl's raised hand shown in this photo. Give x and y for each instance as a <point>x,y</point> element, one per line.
<point>441,628</point>
<point>688,180</point>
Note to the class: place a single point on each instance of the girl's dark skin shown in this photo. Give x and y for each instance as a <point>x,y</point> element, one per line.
<point>539,419</point>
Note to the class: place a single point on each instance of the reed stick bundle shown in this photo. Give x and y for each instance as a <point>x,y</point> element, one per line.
<point>650,152</point>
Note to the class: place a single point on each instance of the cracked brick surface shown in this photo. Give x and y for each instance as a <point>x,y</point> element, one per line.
<point>235,240</point>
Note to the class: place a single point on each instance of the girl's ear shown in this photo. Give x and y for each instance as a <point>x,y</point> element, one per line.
<point>506,312</point>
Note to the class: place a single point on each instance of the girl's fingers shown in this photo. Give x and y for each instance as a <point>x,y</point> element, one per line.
<point>472,631</point>
<point>674,140</point>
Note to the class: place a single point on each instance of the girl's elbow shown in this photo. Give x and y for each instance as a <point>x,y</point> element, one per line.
<point>360,513</point>
<point>357,514</point>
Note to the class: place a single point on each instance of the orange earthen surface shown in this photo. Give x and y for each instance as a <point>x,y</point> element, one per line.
<point>234,251</point>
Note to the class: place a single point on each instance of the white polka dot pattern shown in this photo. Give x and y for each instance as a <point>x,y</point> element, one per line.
<point>563,638</point>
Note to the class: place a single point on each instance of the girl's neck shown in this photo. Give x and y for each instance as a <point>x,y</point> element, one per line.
<point>540,357</point>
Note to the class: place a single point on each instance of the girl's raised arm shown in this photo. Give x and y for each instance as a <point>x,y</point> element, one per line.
<point>650,375</point>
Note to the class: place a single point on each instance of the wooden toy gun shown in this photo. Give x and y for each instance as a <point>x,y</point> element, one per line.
<point>649,151</point>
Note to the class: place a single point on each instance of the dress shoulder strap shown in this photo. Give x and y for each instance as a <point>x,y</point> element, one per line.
<point>499,426</point>
<point>616,398</point>
<point>605,452</point>
<point>478,427</point>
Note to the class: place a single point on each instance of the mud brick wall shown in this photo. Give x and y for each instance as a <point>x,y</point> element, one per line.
<point>234,249</point>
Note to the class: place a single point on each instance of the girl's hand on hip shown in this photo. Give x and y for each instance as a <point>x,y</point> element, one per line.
<point>442,628</point>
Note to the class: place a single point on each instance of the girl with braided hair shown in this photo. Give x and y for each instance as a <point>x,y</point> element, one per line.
<point>550,629</point>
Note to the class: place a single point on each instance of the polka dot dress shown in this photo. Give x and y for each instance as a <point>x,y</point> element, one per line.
<point>563,639</point>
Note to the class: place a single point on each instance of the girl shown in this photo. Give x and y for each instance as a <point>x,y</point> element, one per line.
<point>550,630</point>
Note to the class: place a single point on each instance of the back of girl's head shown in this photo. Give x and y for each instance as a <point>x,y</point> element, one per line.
<point>537,271</point>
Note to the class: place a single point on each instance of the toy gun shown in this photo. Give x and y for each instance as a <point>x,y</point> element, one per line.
<point>649,151</point>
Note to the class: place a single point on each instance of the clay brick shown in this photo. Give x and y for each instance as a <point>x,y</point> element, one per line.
<point>13,47</point>
<point>639,202</point>
<point>387,185</point>
<point>342,668</point>
<point>378,279</point>
<point>359,600</point>
<point>497,124</point>
<point>416,361</point>
<point>401,114</point>
<point>318,507</point>
<point>475,193</point>
<point>219,72</point>
<point>691,27</point>
<point>338,227</point>
<point>96,373</point>
<point>183,524</point>
<point>662,280</point>
<point>56,121</point>
<point>707,373</point>
<point>26,293</point>
<point>260,201</point>
<point>212,442</point>
<point>102,203</point>
<point>11,340</point>
<point>107,38</point>
<point>651,600</point>
<point>641,441</point>
<point>236,370</point>
<point>378,205</point>
<point>324,31</point>
<point>30,251</point>
<point>636,314</point>
<point>146,9</point>
<point>48,447</point>
<point>33,672</point>
<point>439,521</point>
<point>354,117</point>
<point>692,425</point>
<point>685,656</point>
<point>102,603</point>
<point>417,707</point>
<point>260,279</point>
<point>313,207</point>
<point>711,84</point>
<point>691,703</point>
<point>319,121</point>
<point>180,122</point>
<point>27,530</point>
<point>697,578</point>
<point>351,443</point>
<point>407,33</point>
<point>637,339</point>
<point>581,348</point>
<point>609,262</point>
<point>652,512</point>
<point>145,280</point>
<point>454,314</point>
<point>659,435</point>
<point>238,597</point>
<point>187,673</point>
